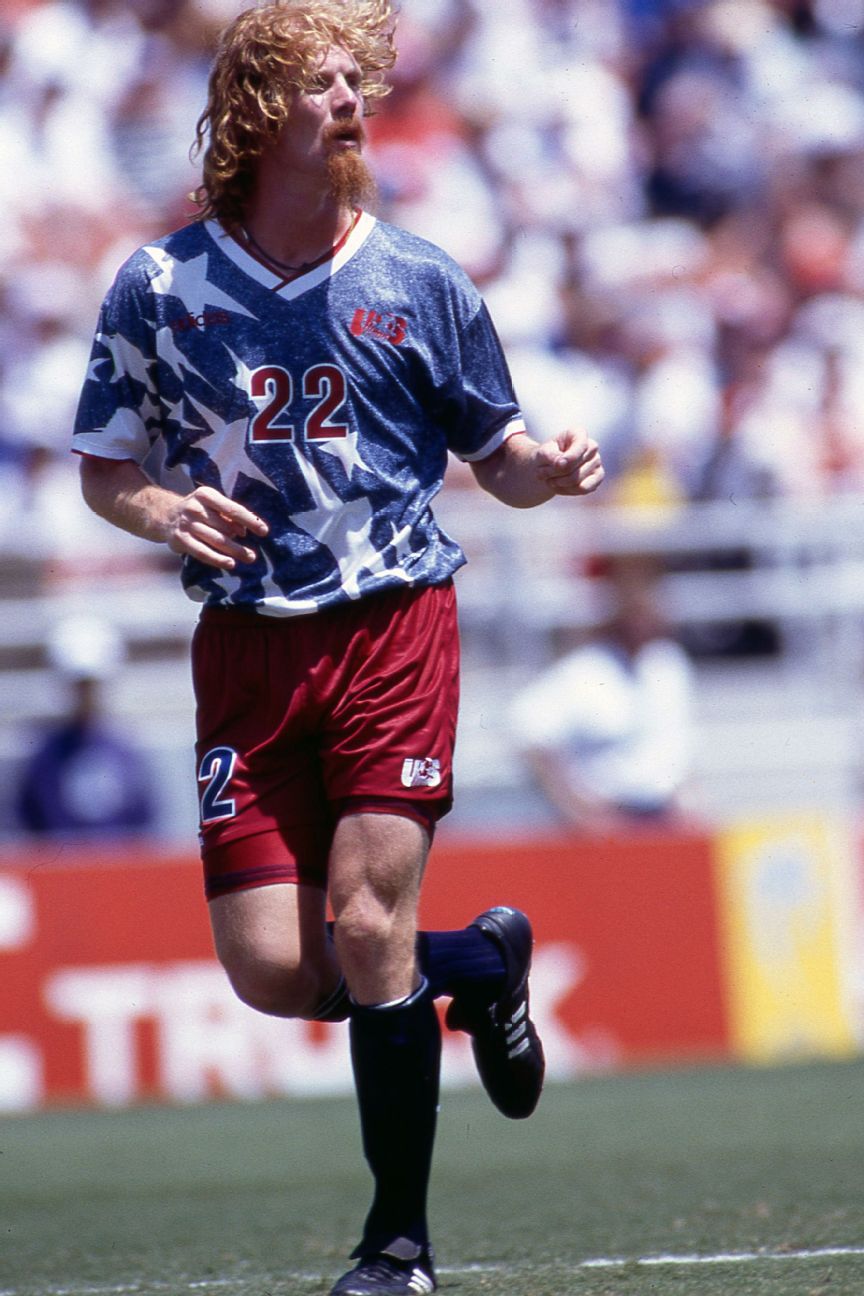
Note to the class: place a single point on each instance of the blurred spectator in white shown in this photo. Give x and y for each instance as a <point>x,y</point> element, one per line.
<point>607,730</point>
<point>83,778</point>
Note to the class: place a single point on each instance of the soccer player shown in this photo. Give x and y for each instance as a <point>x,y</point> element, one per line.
<point>272,393</point>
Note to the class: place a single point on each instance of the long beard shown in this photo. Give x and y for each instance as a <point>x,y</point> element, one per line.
<point>351,181</point>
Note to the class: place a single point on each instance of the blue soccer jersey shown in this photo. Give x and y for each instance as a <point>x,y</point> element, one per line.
<point>325,403</point>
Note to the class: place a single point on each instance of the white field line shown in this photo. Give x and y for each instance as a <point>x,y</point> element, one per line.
<point>599,1262</point>
<point>720,1258</point>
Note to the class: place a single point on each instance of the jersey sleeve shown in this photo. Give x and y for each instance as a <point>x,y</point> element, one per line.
<point>480,410</point>
<point>118,413</point>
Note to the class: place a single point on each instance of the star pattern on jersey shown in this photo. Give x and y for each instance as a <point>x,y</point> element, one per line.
<point>400,542</point>
<point>242,379</point>
<point>228,445</point>
<point>178,361</point>
<point>150,410</point>
<point>399,546</point>
<point>127,361</point>
<point>187,280</point>
<point>231,582</point>
<point>347,450</point>
<point>343,529</point>
<point>227,448</point>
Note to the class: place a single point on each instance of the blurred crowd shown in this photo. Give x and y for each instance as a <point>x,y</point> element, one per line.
<point>662,201</point>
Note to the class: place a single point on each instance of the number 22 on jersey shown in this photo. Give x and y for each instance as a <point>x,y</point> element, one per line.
<point>273,390</point>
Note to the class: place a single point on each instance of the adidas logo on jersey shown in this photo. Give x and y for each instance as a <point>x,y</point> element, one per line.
<point>423,771</point>
<point>199,322</point>
<point>386,327</point>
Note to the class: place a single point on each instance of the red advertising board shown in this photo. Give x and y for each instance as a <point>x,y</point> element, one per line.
<point>630,923</point>
<point>109,991</point>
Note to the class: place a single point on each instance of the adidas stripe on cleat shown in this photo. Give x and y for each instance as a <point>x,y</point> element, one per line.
<point>504,1040</point>
<point>402,1269</point>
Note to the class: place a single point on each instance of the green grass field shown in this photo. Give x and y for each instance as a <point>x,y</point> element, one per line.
<point>658,1176</point>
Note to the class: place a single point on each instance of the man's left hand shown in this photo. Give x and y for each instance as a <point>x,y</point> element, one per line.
<point>570,463</point>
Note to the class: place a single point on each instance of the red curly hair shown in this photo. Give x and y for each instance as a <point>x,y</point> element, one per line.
<point>263,57</point>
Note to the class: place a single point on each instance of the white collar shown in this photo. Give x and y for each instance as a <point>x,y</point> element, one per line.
<point>277,283</point>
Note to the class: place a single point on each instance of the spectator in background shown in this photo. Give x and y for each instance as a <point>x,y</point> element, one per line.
<point>607,730</point>
<point>83,779</point>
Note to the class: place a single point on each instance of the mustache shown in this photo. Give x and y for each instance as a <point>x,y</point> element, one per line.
<point>348,130</point>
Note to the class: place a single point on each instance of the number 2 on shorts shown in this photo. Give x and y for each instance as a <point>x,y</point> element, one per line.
<point>214,775</point>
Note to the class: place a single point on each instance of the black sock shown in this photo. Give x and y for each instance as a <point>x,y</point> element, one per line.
<point>465,962</point>
<point>396,1053</point>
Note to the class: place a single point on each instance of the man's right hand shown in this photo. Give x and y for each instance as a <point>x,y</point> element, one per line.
<point>209,526</point>
<point>205,524</point>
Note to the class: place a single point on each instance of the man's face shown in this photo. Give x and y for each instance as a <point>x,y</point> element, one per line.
<point>326,117</point>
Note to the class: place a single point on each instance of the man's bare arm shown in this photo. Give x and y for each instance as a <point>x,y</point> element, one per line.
<point>203,524</point>
<point>524,473</point>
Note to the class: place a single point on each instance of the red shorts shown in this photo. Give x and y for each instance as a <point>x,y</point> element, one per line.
<point>301,718</point>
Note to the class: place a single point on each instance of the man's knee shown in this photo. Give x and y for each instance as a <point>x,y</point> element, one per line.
<point>365,926</point>
<point>375,868</point>
<point>375,942</point>
<point>278,987</point>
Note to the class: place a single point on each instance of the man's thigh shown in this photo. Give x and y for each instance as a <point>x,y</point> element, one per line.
<point>272,941</point>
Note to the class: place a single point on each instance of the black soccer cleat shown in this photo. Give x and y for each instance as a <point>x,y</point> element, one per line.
<point>504,1040</point>
<point>403,1269</point>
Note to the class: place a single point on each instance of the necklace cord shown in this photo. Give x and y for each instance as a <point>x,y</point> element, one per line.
<point>305,265</point>
<point>283,265</point>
